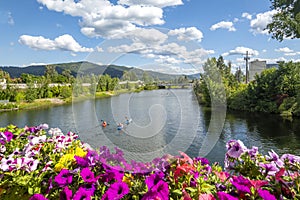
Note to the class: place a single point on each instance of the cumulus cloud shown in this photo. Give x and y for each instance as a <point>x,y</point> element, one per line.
<point>247,15</point>
<point>64,42</point>
<point>259,24</point>
<point>223,24</point>
<point>284,50</point>
<point>171,53</point>
<point>287,51</point>
<point>242,51</point>
<point>156,3</point>
<point>104,19</point>
<point>187,34</point>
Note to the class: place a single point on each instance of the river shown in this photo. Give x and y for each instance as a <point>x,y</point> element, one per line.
<point>163,122</point>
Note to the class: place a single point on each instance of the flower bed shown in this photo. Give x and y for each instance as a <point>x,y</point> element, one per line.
<point>35,164</point>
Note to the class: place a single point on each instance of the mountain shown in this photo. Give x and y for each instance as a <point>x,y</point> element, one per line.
<point>84,68</point>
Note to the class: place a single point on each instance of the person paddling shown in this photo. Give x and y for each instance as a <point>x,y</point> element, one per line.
<point>104,124</point>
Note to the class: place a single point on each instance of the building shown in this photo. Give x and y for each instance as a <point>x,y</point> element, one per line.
<point>256,67</point>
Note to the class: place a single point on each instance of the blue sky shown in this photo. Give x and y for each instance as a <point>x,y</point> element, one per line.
<point>172,36</point>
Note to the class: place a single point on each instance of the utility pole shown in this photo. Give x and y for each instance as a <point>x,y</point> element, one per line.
<point>247,69</point>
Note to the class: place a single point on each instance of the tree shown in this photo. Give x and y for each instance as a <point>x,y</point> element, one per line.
<point>50,72</point>
<point>147,78</point>
<point>286,22</point>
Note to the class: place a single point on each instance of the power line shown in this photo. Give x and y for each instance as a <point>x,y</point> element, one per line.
<point>246,58</point>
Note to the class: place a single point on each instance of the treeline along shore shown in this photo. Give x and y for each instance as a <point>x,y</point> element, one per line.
<point>59,85</point>
<point>275,90</point>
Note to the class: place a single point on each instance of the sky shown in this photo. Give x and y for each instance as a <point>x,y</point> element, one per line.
<point>170,36</point>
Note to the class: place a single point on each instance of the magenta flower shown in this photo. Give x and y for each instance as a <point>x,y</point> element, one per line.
<point>158,191</point>
<point>9,135</point>
<point>87,175</point>
<point>203,161</point>
<point>66,194</point>
<point>266,195</point>
<point>235,148</point>
<point>162,188</point>
<point>63,178</point>
<point>225,196</point>
<point>81,162</point>
<point>85,192</point>
<point>242,184</point>
<point>154,179</point>
<point>111,174</point>
<point>38,197</point>
<point>152,195</point>
<point>116,191</point>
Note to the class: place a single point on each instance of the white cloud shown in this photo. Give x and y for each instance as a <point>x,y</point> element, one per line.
<point>242,51</point>
<point>284,50</point>
<point>10,19</point>
<point>187,34</point>
<point>223,24</point>
<point>235,20</point>
<point>171,53</point>
<point>291,54</point>
<point>65,42</point>
<point>156,3</point>
<point>259,24</point>
<point>103,19</point>
<point>99,49</point>
<point>247,15</point>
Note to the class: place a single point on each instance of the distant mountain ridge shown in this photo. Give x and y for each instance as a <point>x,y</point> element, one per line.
<point>85,68</point>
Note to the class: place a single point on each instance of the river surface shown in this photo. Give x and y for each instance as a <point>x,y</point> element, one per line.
<point>163,122</point>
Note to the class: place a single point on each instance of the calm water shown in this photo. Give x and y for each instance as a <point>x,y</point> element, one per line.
<point>163,122</point>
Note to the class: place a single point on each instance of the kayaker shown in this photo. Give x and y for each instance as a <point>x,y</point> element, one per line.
<point>104,124</point>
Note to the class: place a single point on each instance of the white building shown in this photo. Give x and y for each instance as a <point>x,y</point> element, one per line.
<point>256,67</point>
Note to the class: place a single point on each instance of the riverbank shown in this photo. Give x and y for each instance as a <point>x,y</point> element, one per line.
<point>47,102</point>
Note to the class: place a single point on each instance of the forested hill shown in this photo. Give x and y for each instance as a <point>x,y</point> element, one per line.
<point>85,68</point>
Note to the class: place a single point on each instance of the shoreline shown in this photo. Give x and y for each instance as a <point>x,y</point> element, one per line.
<point>48,102</point>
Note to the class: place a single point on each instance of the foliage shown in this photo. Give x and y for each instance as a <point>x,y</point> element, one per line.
<point>36,164</point>
<point>8,106</point>
<point>286,21</point>
<point>272,91</point>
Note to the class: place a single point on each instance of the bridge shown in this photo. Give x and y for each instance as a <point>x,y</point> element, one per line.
<point>174,85</point>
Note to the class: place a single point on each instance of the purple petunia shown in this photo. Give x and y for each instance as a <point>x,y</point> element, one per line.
<point>111,173</point>
<point>242,184</point>
<point>291,158</point>
<point>154,179</point>
<point>81,162</point>
<point>266,195</point>
<point>269,168</point>
<point>274,157</point>
<point>203,161</point>
<point>235,148</point>
<point>116,191</point>
<point>225,196</point>
<point>38,197</point>
<point>158,191</point>
<point>9,135</point>
<point>66,194</point>
<point>85,192</point>
<point>87,175</point>
<point>63,178</point>
<point>152,195</point>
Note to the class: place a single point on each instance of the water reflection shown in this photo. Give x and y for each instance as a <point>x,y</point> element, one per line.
<point>164,121</point>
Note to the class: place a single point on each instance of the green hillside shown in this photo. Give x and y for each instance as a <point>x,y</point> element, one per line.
<point>84,68</point>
